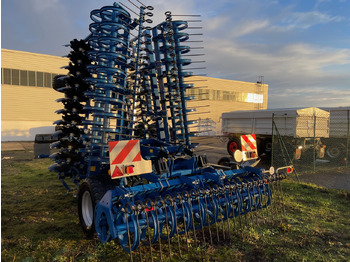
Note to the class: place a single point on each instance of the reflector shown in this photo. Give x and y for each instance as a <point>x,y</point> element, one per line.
<point>129,169</point>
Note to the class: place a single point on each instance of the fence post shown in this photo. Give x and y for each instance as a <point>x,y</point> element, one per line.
<point>347,142</point>
<point>314,149</point>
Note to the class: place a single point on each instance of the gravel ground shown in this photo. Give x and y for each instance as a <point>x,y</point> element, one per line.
<point>339,178</point>
<point>17,146</point>
<point>214,148</point>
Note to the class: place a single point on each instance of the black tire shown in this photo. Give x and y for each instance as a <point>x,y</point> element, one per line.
<point>334,152</point>
<point>264,146</point>
<point>224,161</point>
<point>90,192</point>
<point>233,144</point>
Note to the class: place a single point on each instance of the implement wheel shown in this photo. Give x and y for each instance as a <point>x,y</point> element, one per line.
<point>233,144</point>
<point>90,193</point>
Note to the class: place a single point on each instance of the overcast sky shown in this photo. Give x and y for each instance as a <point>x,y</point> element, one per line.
<point>301,47</point>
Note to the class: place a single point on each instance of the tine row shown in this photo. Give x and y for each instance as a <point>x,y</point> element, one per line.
<point>198,216</point>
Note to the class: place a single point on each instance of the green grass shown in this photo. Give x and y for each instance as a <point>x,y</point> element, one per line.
<point>40,223</point>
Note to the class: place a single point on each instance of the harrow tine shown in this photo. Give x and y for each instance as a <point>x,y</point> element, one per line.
<point>127,227</point>
<point>264,184</point>
<point>239,206</point>
<point>266,197</point>
<point>200,215</point>
<point>148,228</point>
<point>227,217</point>
<point>255,201</point>
<point>215,206</point>
<point>155,207</point>
<point>269,198</point>
<point>194,228</point>
<point>253,206</point>
<point>222,214</point>
<point>245,205</point>
<point>245,214</point>
<point>231,187</point>
<point>179,196</point>
<point>272,199</point>
<point>176,226</point>
<point>137,213</point>
<point>207,216</point>
<point>167,225</point>
<point>261,200</point>
<point>138,226</point>
<point>248,214</point>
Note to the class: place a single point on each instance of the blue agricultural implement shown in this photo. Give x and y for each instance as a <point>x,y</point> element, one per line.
<point>125,137</point>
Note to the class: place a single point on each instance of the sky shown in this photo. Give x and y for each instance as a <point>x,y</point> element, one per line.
<point>301,47</point>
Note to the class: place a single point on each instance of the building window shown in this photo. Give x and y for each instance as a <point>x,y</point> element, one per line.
<point>6,76</point>
<point>194,92</point>
<point>233,96</point>
<point>47,80</point>
<point>26,78</point>
<point>15,77</point>
<point>31,78</point>
<point>190,92</point>
<point>200,93</point>
<point>23,78</point>
<point>226,96</point>
<point>39,79</point>
<point>205,95</point>
<point>219,95</point>
<point>215,94</point>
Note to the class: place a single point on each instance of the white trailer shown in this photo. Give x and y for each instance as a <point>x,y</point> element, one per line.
<point>339,132</point>
<point>302,125</point>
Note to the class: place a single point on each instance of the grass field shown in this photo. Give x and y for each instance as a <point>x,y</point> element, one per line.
<point>40,223</point>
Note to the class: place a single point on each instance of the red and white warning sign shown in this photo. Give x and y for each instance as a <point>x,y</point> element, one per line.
<point>249,148</point>
<point>125,159</point>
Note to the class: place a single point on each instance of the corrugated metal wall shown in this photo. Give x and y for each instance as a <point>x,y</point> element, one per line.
<point>23,103</point>
<point>32,61</point>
